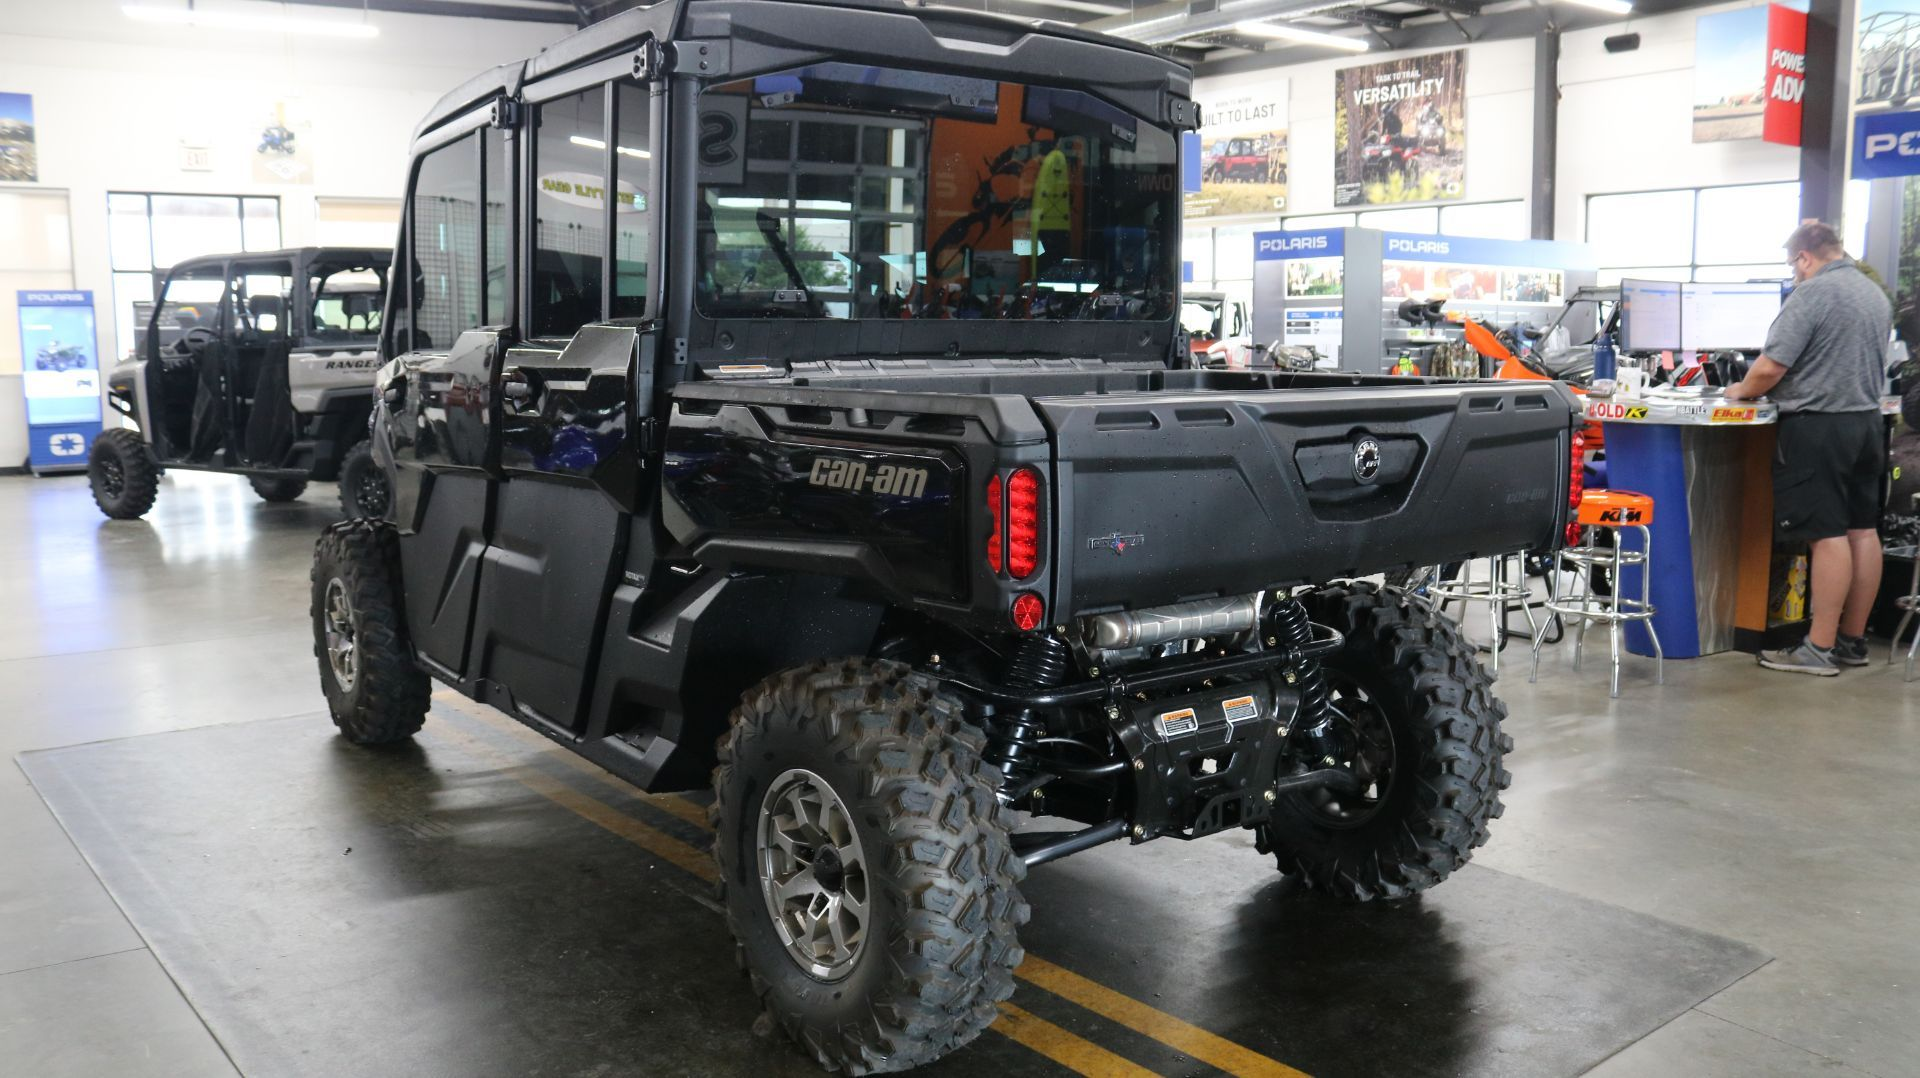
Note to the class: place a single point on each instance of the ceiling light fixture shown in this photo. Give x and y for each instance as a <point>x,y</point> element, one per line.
<point>242,20</point>
<point>1611,7</point>
<point>1087,6</point>
<point>1304,37</point>
<point>596,144</point>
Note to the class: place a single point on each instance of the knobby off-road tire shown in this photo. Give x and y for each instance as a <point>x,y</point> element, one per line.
<point>941,880</point>
<point>277,490</point>
<point>375,692</point>
<point>122,473</point>
<point>363,485</point>
<point>1406,670</point>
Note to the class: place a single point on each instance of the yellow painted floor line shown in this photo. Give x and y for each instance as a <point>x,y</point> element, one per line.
<point>662,845</point>
<point>1070,1050</point>
<point>671,804</point>
<point>1182,1036</point>
<point>1067,1049</point>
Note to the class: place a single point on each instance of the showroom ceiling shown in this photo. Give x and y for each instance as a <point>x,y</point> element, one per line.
<point>1215,35</point>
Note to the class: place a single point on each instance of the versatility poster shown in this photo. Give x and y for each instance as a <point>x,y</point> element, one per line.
<point>1400,130</point>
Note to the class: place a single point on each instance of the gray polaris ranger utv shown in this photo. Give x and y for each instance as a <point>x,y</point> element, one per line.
<point>792,399</point>
<point>259,364</point>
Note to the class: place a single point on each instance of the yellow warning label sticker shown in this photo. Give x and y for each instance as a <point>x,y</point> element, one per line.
<point>1176,723</point>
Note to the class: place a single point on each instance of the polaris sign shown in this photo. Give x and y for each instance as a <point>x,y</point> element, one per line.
<point>1279,246</point>
<point>1400,246</point>
<point>1886,144</point>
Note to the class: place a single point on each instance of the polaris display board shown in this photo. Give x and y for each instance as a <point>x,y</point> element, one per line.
<point>60,371</point>
<point>1339,289</point>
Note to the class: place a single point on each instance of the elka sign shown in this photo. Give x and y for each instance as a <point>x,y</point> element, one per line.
<point>1786,74</point>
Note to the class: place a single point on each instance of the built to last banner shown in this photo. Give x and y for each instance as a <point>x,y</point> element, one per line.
<point>61,374</point>
<point>1400,130</point>
<point>1242,152</point>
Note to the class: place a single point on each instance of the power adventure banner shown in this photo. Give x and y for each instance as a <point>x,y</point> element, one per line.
<point>1749,74</point>
<point>1243,152</point>
<point>1400,130</point>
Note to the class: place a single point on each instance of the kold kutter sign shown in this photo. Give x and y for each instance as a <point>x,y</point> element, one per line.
<point>1786,74</point>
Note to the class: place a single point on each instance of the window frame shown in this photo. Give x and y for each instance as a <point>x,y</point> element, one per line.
<point>607,75</point>
<point>479,118</point>
<point>155,273</point>
<point>1693,265</point>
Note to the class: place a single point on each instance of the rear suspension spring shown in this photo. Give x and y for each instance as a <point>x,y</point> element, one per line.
<point>1041,663</point>
<point>1294,629</point>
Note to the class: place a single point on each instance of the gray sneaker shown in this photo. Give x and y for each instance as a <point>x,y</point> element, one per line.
<point>1802,658</point>
<point>1850,650</point>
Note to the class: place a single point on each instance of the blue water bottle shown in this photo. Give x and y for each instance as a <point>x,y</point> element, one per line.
<point>1604,371</point>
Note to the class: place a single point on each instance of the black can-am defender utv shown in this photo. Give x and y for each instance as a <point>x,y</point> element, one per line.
<point>802,408</point>
<point>258,364</point>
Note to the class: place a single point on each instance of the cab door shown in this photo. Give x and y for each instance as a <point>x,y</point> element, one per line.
<point>446,321</point>
<point>569,462</point>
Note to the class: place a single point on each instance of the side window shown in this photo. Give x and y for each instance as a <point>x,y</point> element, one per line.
<point>261,294</point>
<point>569,212</point>
<point>446,245</point>
<point>633,169</point>
<point>499,191</point>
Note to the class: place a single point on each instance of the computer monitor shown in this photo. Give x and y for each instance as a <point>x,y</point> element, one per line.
<point>1726,316</point>
<point>1649,315</point>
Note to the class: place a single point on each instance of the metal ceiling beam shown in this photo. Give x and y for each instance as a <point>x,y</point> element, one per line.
<point>1366,16</point>
<point>1469,8</point>
<point>562,13</point>
<point>1496,25</point>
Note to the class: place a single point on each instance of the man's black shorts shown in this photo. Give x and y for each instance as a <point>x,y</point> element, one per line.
<point>1828,470</point>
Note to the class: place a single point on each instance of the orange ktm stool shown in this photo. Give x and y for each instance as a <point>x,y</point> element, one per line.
<point>1605,513</point>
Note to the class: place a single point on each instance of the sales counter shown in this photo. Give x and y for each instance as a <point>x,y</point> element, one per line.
<point>1707,464</point>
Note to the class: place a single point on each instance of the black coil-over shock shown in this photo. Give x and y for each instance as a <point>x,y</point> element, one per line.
<point>1041,663</point>
<point>1294,629</point>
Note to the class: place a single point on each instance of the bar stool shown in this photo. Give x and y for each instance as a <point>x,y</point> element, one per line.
<point>1612,512</point>
<point>1504,588</point>
<point>1909,605</point>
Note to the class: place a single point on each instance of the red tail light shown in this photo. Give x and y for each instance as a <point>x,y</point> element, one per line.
<point>1023,522</point>
<point>1576,487</point>
<point>993,514</point>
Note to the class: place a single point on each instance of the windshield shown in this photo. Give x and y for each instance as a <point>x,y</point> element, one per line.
<point>346,305</point>
<point>841,191</point>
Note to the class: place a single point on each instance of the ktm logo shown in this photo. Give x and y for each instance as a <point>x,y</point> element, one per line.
<point>1620,514</point>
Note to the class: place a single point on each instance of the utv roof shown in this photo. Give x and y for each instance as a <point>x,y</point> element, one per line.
<point>374,256</point>
<point>810,22</point>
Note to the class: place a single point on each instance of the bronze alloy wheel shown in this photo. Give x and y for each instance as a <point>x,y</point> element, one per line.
<point>813,873</point>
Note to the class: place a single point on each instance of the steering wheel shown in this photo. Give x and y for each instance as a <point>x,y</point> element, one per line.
<point>192,341</point>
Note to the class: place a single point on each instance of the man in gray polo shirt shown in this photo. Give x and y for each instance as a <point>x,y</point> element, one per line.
<point>1824,365</point>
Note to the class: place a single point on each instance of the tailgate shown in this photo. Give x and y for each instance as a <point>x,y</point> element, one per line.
<point>1166,496</point>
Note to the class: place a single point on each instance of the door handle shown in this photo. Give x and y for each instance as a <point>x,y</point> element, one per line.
<point>517,392</point>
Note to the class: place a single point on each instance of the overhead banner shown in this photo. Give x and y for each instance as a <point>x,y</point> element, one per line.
<point>19,157</point>
<point>1730,75</point>
<point>1749,73</point>
<point>1400,130</point>
<point>60,372</point>
<point>1242,159</point>
<point>1786,74</point>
